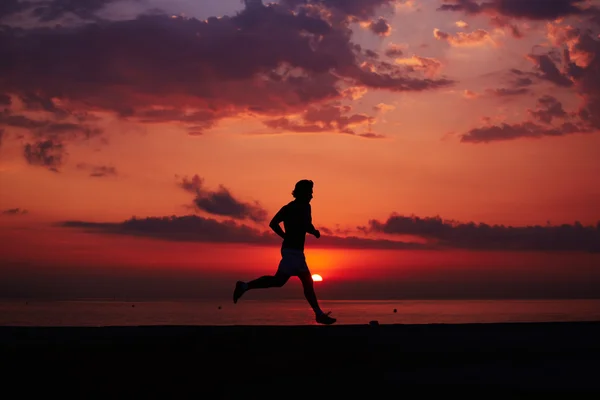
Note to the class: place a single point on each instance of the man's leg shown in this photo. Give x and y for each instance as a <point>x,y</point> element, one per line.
<point>264,282</point>
<point>311,297</point>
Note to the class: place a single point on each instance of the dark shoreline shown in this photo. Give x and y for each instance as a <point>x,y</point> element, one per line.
<point>224,361</point>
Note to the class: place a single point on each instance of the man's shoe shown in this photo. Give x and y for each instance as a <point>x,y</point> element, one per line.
<point>325,319</point>
<point>240,288</point>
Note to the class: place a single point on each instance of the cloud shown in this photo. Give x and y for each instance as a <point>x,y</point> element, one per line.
<point>10,7</point>
<point>53,10</point>
<point>429,66</point>
<point>433,233</point>
<point>48,129</point>
<point>473,236</point>
<point>192,228</point>
<point>469,94</point>
<point>575,65</point>
<point>328,118</point>
<point>549,108</point>
<point>163,69</point>
<point>394,50</point>
<point>352,10</point>
<point>548,70</point>
<point>45,153</point>
<point>478,37</point>
<point>14,211</point>
<point>501,13</point>
<point>4,99</point>
<point>98,171</point>
<point>528,129</point>
<point>383,108</point>
<point>579,66</point>
<point>518,84</point>
<point>380,27</point>
<point>46,137</point>
<point>524,9</point>
<point>507,92</point>
<point>547,111</point>
<point>221,202</point>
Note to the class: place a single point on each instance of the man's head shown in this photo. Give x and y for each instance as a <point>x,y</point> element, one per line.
<point>303,190</point>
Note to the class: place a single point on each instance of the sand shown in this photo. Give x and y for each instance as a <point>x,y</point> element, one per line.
<point>386,361</point>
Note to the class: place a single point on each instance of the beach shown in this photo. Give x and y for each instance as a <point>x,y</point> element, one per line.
<point>294,361</point>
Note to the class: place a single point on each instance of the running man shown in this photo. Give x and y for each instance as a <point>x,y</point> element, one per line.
<point>297,221</point>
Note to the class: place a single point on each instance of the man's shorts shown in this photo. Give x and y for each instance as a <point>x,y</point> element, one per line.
<point>292,263</point>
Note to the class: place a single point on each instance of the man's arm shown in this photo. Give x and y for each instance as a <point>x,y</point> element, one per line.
<point>311,228</point>
<point>277,219</point>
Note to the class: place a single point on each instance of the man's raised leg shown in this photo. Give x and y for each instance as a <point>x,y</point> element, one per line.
<point>264,282</point>
<point>311,297</point>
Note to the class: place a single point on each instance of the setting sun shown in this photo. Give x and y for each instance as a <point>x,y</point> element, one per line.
<point>317,278</point>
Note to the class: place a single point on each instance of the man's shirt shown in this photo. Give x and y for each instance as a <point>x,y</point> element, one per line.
<point>297,221</point>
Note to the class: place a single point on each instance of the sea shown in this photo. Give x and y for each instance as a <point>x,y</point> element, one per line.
<point>93,313</point>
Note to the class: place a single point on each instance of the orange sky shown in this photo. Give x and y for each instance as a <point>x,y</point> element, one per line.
<point>476,115</point>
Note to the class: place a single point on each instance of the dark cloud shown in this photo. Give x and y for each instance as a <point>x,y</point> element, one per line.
<point>394,51</point>
<point>98,171</point>
<point>221,202</point>
<point>507,92</point>
<point>157,68</point>
<point>47,138</point>
<point>371,54</point>
<point>328,118</point>
<point>20,121</point>
<point>4,99</point>
<point>15,211</point>
<point>46,153</point>
<point>49,129</point>
<point>576,66</point>
<point>380,27</point>
<point>371,135</point>
<point>549,71</point>
<point>523,82</point>
<point>504,22</point>
<point>434,233</point>
<point>549,108</point>
<point>481,236</point>
<point>504,131</point>
<point>582,62</point>
<point>10,7</point>
<point>84,9</point>
<point>34,102</point>
<point>180,228</point>
<point>357,10</point>
<point>192,228</point>
<point>526,9</point>
<point>52,10</point>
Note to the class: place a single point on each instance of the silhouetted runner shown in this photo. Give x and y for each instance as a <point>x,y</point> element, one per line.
<point>297,221</point>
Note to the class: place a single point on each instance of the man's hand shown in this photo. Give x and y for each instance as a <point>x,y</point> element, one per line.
<point>317,233</point>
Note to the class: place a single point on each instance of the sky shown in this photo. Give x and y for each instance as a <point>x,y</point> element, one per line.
<point>146,144</point>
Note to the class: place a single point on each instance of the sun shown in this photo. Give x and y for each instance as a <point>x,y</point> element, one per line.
<point>317,278</point>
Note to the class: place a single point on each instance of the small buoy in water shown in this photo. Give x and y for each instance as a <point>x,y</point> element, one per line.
<point>133,305</point>
<point>219,307</point>
<point>395,310</point>
<point>374,323</point>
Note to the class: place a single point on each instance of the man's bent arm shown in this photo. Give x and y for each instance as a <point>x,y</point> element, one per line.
<point>311,228</point>
<point>277,219</point>
<point>277,229</point>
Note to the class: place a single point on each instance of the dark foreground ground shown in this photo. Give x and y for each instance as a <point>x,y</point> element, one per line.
<point>388,361</point>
